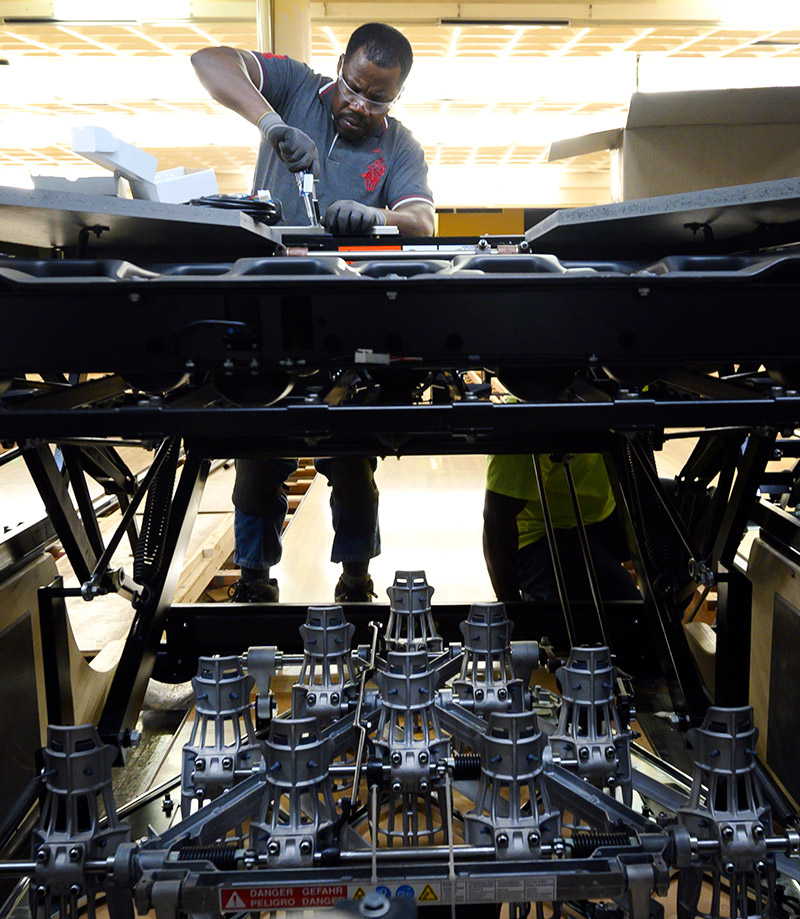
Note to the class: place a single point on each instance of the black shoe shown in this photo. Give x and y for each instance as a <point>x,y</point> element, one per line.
<point>260,591</point>
<point>359,593</point>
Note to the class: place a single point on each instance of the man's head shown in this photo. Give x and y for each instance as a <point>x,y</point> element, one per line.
<point>371,74</point>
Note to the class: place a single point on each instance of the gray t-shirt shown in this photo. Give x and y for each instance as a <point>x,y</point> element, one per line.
<point>386,169</point>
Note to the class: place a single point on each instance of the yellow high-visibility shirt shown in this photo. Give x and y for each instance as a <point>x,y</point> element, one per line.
<point>514,476</point>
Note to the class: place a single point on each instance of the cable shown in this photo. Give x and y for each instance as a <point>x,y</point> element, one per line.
<point>268,212</point>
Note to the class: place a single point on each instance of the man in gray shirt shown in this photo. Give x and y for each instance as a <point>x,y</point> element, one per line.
<point>370,169</point>
<point>371,172</point>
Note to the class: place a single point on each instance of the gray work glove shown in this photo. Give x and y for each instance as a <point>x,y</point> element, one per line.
<point>296,150</point>
<point>352,217</point>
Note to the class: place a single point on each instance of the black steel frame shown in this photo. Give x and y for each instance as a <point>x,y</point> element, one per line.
<point>600,337</point>
<point>197,629</point>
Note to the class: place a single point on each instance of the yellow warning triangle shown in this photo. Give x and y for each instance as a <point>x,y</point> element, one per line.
<point>359,894</point>
<point>428,894</point>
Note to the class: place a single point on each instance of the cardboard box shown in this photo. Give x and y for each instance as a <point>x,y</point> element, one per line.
<point>687,141</point>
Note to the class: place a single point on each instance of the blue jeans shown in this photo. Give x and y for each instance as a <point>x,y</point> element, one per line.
<point>260,508</point>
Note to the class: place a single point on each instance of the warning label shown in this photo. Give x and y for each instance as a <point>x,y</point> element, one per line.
<point>236,899</point>
<point>428,894</point>
<point>425,893</point>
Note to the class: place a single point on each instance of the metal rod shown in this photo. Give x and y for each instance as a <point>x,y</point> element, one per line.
<point>130,511</point>
<point>424,852</point>
<point>551,542</point>
<point>587,555</point>
<point>652,477</point>
<point>451,862</point>
<point>27,868</point>
<point>374,834</point>
<point>12,454</point>
<point>362,736</point>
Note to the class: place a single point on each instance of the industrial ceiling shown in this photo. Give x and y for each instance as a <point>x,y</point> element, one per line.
<point>493,84</point>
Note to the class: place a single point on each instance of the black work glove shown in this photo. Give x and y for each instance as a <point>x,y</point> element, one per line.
<point>296,150</point>
<point>350,217</point>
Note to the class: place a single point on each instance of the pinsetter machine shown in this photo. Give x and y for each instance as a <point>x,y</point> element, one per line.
<point>420,762</point>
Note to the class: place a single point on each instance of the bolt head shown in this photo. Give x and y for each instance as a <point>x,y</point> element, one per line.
<point>397,787</point>
<point>274,847</point>
<point>729,868</point>
<point>227,763</point>
<point>311,699</point>
<point>74,853</point>
<point>583,753</point>
<point>479,695</point>
<point>41,890</point>
<point>423,757</point>
<point>758,831</point>
<point>611,781</point>
<point>502,694</point>
<point>502,840</point>
<point>761,867</point>
<point>334,698</point>
<point>423,786</point>
<point>397,758</point>
<point>611,752</point>
<point>727,833</point>
<point>43,856</point>
<point>305,847</point>
<point>533,839</point>
<point>75,890</point>
<point>199,765</point>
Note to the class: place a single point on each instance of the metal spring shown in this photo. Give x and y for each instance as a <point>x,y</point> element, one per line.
<point>583,844</point>
<point>223,857</point>
<point>466,766</point>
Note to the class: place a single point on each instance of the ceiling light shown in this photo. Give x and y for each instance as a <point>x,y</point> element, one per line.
<point>513,23</point>
<point>120,10</point>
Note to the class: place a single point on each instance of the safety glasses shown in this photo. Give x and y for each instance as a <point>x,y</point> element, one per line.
<point>371,106</point>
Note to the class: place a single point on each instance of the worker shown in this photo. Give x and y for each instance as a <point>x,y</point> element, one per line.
<point>515,543</point>
<point>371,172</point>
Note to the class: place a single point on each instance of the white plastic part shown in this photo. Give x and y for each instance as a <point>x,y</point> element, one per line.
<point>86,185</point>
<point>176,186</point>
<point>101,147</point>
<point>170,186</point>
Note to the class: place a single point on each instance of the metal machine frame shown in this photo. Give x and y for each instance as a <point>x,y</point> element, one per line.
<point>315,355</point>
